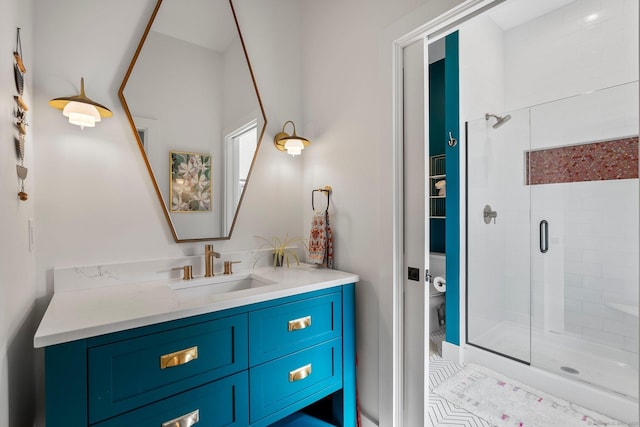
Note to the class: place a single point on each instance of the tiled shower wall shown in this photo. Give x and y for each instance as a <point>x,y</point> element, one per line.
<point>583,46</point>
<point>593,255</point>
<point>593,224</point>
<point>584,153</point>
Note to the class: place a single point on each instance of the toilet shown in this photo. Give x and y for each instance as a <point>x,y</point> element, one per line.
<point>436,298</point>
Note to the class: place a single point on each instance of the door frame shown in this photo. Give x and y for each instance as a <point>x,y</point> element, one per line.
<point>429,22</point>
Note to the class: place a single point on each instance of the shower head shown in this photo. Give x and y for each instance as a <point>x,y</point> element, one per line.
<point>499,120</point>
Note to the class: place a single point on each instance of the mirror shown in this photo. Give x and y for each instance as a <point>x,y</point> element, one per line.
<point>191,98</point>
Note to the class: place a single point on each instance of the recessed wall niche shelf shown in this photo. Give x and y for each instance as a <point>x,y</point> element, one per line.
<point>437,186</point>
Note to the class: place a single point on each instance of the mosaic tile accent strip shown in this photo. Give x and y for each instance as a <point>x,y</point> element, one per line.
<point>597,161</point>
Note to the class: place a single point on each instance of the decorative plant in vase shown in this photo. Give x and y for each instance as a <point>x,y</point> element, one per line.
<point>283,252</point>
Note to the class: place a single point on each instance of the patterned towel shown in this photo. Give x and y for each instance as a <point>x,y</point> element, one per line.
<point>321,240</point>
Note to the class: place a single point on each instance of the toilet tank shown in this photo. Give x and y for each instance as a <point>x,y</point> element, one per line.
<point>437,264</point>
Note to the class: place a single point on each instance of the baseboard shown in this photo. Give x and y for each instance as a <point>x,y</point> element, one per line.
<point>451,352</point>
<point>366,422</point>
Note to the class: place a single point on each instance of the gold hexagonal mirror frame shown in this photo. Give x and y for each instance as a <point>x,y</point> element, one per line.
<point>195,132</point>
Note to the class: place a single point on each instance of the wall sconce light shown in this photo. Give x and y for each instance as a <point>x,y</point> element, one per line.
<point>293,144</point>
<point>81,110</point>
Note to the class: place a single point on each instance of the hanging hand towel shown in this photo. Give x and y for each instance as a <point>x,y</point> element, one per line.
<point>329,252</point>
<point>321,240</point>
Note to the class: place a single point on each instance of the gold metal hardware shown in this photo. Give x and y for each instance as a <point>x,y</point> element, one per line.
<point>228,266</point>
<point>178,357</point>
<point>187,272</point>
<point>209,254</point>
<point>300,373</point>
<point>301,323</point>
<point>60,103</point>
<point>281,138</point>
<point>186,420</point>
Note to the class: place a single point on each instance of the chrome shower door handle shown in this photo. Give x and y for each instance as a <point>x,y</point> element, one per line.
<point>544,236</point>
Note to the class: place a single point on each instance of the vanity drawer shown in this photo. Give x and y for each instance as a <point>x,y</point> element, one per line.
<point>285,328</point>
<point>131,373</point>
<point>308,374</point>
<point>220,403</point>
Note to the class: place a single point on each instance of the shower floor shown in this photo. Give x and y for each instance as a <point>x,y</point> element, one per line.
<point>607,367</point>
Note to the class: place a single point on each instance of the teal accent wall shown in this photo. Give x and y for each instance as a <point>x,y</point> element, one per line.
<point>452,204</point>
<point>437,142</point>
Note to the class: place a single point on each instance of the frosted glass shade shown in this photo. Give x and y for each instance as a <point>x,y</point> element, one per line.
<point>294,146</point>
<point>81,114</point>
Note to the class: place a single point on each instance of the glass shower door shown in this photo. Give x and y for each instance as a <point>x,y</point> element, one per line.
<point>553,237</point>
<point>498,237</point>
<point>583,178</point>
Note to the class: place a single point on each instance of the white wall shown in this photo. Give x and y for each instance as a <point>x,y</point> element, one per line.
<point>563,54</point>
<point>17,286</point>
<point>178,88</point>
<point>481,47</point>
<point>96,203</point>
<point>347,111</point>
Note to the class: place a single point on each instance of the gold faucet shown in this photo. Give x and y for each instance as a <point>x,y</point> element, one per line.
<point>228,266</point>
<point>209,254</point>
<point>186,272</point>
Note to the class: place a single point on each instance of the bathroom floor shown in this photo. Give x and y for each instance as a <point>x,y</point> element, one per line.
<point>443,412</point>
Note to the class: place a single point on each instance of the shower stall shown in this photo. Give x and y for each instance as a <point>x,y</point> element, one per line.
<point>553,237</point>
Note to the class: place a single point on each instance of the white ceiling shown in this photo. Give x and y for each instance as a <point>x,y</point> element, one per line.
<point>206,23</point>
<point>210,23</point>
<point>513,13</point>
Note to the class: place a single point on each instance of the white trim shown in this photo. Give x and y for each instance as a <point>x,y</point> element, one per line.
<point>451,352</point>
<point>398,236</point>
<point>392,41</point>
<point>367,422</point>
<point>231,192</point>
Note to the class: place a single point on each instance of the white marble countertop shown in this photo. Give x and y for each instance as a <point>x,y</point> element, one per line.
<point>84,313</point>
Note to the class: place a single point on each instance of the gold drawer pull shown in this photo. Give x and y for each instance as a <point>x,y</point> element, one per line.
<point>300,373</point>
<point>301,323</point>
<point>178,357</point>
<point>186,420</point>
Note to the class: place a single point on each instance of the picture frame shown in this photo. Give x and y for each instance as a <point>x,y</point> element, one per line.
<point>190,182</point>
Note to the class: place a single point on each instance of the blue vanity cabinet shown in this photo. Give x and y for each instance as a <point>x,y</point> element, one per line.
<point>285,328</point>
<point>252,365</point>
<point>216,404</point>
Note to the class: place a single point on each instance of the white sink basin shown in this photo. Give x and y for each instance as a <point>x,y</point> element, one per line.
<point>205,286</point>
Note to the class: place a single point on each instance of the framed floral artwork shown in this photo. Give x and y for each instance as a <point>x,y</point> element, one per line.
<point>190,187</point>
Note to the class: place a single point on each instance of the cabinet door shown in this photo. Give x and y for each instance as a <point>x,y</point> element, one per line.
<point>131,373</point>
<point>285,328</point>
<point>220,403</point>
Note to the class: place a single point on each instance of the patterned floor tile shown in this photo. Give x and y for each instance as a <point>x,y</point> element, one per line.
<point>442,412</point>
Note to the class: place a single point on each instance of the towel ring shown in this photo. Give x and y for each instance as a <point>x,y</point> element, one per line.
<point>327,190</point>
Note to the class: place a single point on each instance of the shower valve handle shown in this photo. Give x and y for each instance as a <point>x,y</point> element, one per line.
<point>488,214</point>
